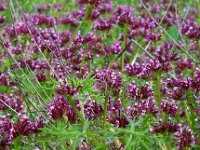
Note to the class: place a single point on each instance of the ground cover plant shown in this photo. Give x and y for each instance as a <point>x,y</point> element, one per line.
<point>100,74</point>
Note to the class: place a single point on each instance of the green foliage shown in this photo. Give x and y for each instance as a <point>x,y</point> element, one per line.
<point>61,134</point>
<point>174,33</point>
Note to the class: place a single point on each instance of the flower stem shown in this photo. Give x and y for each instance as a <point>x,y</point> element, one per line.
<point>116,139</point>
<point>157,88</point>
<point>122,63</point>
<point>187,115</point>
<point>124,46</point>
<point>105,107</point>
<point>75,109</point>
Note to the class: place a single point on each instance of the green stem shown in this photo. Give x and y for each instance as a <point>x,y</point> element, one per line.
<point>124,46</point>
<point>71,101</point>
<point>162,145</point>
<point>187,115</point>
<point>129,2</point>
<point>135,58</point>
<point>158,87</point>
<point>44,146</point>
<point>105,107</point>
<point>122,63</point>
<point>116,139</point>
<point>123,95</point>
<point>96,143</point>
<point>90,66</point>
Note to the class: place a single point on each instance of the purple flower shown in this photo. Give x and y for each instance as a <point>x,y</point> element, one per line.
<point>133,70</point>
<point>147,106</point>
<point>108,78</point>
<point>94,14</point>
<point>191,30</point>
<point>102,25</point>
<point>6,132</point>
<point>89,38</point>
<point>20,28</point>
<point>92,110</point>
<point>119,120</point>
<point>122,15</point>
<point>2,19</point>
<point>10,130</point>
<point>115,114</point>
<point>41,76</point>
<point>105,7</point>
<point>146,91</point>
<point>40,19</point>
<point>13,101</point>
<point>59,107</point>
<point>68,89</point>
<point>25,126</point>
<point>185,137</point>
<point>4,80</point>
<point>43,8</point>
<point>116,48</point>
<point>92,2</point>
<point>2,6</point>
<point>169,106</point>
<point>82,73</point>
<point>65,37</point>
<point>69,19</point>
<point>166,127</point>
<point>133,91</point>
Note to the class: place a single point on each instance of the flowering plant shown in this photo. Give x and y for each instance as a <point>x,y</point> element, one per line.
<point>99,74</point>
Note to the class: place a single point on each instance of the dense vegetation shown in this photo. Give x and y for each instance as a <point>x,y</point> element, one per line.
<point>99,74</point>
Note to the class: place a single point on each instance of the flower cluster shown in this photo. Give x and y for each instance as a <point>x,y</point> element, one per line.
<point>108,79</point>
<point>191,29</point>
<point>144,92</point>
<point>92,110</point>
<point>185,137</point>
<point>170,107</point>
<point>24,126</point>
<point>4,80</point>
<point>12,101</point>
<point>116,116</point>
<point>103,64</point>
<point>166,127</point>
<point>2,9</point>
<point>59,107</point>
<point>43,20</point>
<point>142,108</point>
<point>92,2</point>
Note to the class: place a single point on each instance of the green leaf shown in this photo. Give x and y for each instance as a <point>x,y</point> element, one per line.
<point>174,33</point>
